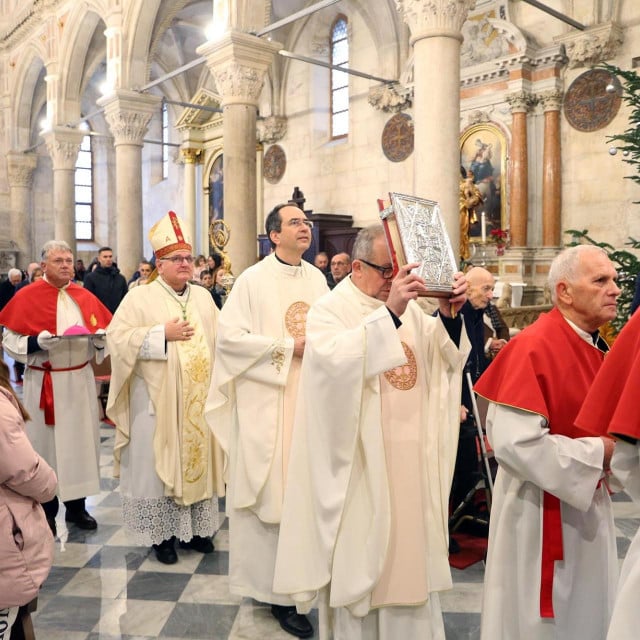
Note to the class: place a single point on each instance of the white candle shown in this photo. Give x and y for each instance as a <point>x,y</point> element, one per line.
<point>483,227</point>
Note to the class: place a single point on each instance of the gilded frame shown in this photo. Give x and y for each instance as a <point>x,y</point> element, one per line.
<point>483,150</point>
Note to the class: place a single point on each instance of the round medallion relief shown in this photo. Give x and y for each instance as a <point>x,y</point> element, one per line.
<point>275,162</point>
<point>397,137</point>
<point>588,106</point>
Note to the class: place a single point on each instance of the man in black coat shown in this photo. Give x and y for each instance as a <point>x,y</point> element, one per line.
<point>105,281</point>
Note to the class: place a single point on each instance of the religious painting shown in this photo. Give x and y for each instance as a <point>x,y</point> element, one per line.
<point>216,193</point>
<point>483,164</point>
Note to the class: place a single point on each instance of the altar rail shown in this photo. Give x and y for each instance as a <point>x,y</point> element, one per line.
<point>521,317</point>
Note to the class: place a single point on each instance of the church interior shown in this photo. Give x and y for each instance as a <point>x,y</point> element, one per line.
<point>113,112</point>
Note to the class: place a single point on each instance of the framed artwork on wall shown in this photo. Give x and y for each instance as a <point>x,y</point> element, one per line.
<point>483,157</point>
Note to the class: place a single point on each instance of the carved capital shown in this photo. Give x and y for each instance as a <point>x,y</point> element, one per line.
<point>391,98</point>
<point>551,100</point>
<point>593,45</point>
<point>239,63</point>
<point>63,144</point>
<point>520,101</point>
<point>428,18</point>
<point>128,114</point>
<point>271,129</point>
<point>190,155</point>
<point>20,167</point>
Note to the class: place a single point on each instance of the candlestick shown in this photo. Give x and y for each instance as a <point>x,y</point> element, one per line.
<point>483,227</point>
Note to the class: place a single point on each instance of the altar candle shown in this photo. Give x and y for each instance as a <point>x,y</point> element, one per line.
<point>483,227</point>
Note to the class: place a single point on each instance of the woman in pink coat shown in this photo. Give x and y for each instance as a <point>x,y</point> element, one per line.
<point>26,480</point>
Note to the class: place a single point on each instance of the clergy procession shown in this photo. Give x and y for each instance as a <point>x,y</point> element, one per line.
<point>328,419</point>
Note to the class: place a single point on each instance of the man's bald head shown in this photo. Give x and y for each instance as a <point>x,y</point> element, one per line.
<point>481,285</point>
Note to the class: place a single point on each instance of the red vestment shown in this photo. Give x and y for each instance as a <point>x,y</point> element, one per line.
<point>547,370</point>
<point>611,407</point>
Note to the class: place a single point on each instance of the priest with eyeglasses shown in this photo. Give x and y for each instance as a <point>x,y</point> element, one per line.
<point>162,339</point>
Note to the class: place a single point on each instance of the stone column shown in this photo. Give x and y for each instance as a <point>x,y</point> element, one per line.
<point>63,144</point>
<point>239,63</point>
<point>436,37</point>
<point>551,170</point>
<point>520,102</point>
<point>128,114</point>
<point>190,157</point>
<point>20,170</point>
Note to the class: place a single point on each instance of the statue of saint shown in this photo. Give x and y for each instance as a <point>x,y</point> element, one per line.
<point>470,198</point>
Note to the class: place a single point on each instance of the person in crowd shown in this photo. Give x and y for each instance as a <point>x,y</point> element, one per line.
<point>8,289</point>
<point>366,504</point>
<point>488,333</point>
<point>552,564</point>
<point>31,267</point>
<point>37,274</point>
<point>261,339</point>
<point>199,266</point>
<point>144,271</point>
<point>162,340</point>
<point>105,281</point>
<point>321,261</point>
<point>26,543</point>
<point>81,270</point>
<point>340,269</point>
<point>59,386</point>
<point>611,409</point>
<point>8,286</point>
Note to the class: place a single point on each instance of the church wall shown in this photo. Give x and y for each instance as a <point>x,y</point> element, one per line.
<point>346,175</point>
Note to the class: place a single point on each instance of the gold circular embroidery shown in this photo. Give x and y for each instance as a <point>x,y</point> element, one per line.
<point>404,377</point>
<point>295,319</point>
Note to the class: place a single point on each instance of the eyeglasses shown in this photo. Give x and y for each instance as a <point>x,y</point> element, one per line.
<point>178,259</point>
<point>385,272</point>
<point>297,222</point>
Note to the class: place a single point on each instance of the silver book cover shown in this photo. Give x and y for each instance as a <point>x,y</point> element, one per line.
<point>418,225</point>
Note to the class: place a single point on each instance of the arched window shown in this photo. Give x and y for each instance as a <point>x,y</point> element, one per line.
<point>84,189</point>
<point>339,79</point>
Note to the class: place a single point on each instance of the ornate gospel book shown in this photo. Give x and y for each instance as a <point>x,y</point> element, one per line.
<point>415,232</point>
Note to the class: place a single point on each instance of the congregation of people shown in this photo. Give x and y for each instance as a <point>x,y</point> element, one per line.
<point>337,418</point>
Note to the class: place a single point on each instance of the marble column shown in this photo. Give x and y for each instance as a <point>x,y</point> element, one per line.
<point>63,144</point>
<point>20,171</point>
<point>128,114</point>
<point>551,102</point>
<point>190,157</point>
<point>239,63</point>
<point>435,27</point>
<point>520,103</point>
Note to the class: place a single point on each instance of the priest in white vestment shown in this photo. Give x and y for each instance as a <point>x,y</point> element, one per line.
<point>162,341</point>
<point>261,338</point>
<point>365,514</point>
<point>56,327</point>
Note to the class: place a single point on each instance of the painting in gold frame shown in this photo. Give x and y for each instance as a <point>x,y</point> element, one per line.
<point>483,151</point>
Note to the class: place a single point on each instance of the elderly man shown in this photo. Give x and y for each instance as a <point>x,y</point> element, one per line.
<point>488,333</point>
<point>162,340</point>
<point>261,341</point>
<point>340,269</point>
<point>59,387</point>
<point>9,286</point>
<point>552,565</point>
<point>366,505</point>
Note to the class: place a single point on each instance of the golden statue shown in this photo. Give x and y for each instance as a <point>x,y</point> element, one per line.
<point>219,234</point>
<point>470,198</point>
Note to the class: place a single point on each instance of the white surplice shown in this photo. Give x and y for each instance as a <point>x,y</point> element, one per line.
<point>72,446</point>
<point>251,409</point>
<point>532,460</point>
<point>366,506</point>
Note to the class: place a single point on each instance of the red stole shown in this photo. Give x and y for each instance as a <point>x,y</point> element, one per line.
<point>34,308</point>
<point>612,403</point>
<point>528,374</point>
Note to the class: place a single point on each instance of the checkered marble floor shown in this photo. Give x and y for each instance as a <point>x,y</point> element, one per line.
<point>103,587</point>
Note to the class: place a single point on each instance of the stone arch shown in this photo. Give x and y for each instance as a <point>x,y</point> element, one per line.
<point>29,95</point>
<point>140,21</point>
